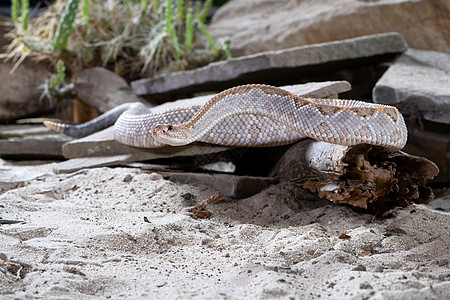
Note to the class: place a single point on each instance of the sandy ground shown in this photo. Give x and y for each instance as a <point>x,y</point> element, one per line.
<point>112,233</point>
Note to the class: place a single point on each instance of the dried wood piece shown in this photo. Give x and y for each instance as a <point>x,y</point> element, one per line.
<point>199,210</point>
<point>364,176</point>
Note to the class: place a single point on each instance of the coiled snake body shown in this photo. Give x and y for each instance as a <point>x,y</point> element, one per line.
<point>257,115</point>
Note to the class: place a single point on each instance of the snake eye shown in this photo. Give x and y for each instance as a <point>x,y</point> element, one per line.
<point>170,127</point>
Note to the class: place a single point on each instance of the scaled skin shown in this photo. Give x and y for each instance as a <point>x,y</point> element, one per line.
<point>343,122</point>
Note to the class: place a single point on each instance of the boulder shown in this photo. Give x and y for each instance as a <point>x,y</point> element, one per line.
<point>30,142</point>
<point>20,89</point>
<point>294,65</point>
<point>103,89</point>
<point>418,84</point>
<point>21,92</point>
<point>432,145</point>
<point>231,186</point>
<point>261,25</point>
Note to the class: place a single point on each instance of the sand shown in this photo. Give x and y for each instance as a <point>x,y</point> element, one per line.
<point>117,233</point>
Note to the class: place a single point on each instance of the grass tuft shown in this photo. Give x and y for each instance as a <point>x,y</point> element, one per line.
<point>135,38</point>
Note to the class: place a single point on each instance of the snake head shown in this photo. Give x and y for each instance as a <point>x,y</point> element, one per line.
<point>174,135</point>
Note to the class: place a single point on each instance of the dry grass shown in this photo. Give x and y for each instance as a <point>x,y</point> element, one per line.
<point>132,40</point>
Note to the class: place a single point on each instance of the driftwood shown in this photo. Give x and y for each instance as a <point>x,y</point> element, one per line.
<point>364,176</point>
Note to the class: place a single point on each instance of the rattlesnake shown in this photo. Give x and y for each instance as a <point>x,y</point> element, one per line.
<point>253,115</point>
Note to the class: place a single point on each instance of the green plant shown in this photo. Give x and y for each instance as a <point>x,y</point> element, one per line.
<point>55,88</point>
<point>135,38</point>
<point>169,27</point>
<point>155,4</point>
<point>144,5</point>
<point>25,11</point>
<point>14,10</point>
<point>207,35</point>
<point>203,14</point>
<point>189,32</point>
<point>181,10</point>
<point>177,44</point>
<point>225,45</point>
<point>65,25</point>
<point>57,78</point>
<point>85,10</point>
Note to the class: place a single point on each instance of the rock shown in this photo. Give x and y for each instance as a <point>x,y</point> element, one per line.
<point>359,268</point>
<point>262,25</point>
<point>100,150</point>
<point>229,185</point>
<point>20,90</point>
<point>432,145</point>
<point>278,67</point>
<point>36,142</point>
<point>75,164</point>
<point>24,131</point>
<point>326,89</point>
<point>418,83</point>
<point>103,144</point>
<point>30,149</point>
<point>14,174</point>
<point>104,89</point>
<point>441,202</point>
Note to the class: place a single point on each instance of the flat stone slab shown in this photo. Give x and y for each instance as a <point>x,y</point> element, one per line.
<point>276,66</point>
<point>104,89</point>
<point>231,186</point>
<point>100,149</point>
<point>102,143</point>
<point>18,172</point>
<point>20,90</point>
<point>270,25</point>
<point>35,142</point>
<point>432,145</point>
<point>325,89</point>
<point>418,82</point>
<point>75,164</point>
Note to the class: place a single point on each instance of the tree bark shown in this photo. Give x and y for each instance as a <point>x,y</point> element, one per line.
<point>364,176</point>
